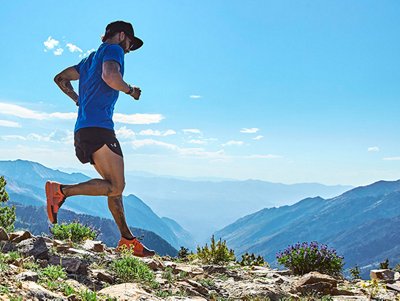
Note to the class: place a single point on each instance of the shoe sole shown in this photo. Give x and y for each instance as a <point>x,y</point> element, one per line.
<point>49,199</point>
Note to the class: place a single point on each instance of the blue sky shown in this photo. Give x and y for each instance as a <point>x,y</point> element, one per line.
<point>283,91</point>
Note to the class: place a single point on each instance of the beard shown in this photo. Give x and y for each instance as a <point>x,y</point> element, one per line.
<point>123,44</point>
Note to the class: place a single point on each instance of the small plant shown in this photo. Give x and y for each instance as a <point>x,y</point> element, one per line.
<point>355,273</point>
<point>397,268</point>
<point>168,275</point>
<point>252,260</point>
<point>183,275</point>
<point>31,265</point>
<point>183,253</point>
<point>52,277</point>
<point>164,294</point>
<point>7,214</point>
<point>88,295</point>
<point>4,290</point>
<point>75,232</point>
<point>384,265</point>
<point>67,289</point>
<point>128,268</point>
<point>207,282</point>
<point>217,253</point>
<point>373,287</point>
<point>304,258</point>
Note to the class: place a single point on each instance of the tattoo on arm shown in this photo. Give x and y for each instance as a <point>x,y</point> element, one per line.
<point>66,86</point>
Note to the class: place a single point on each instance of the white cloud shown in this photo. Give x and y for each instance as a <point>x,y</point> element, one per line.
<point>191,131</point>
<point>146,142</point>
<point>138,118</point>
<point>124,133</point>
<point>9,124</point>
<point>269,156</point>
<point>22,112</point>
<point>249,131</point>
<point>195,152</point>
<point>150,132</point>
<point>392,159</point>
<point>58,51</point>
<point>12,137</point>
<point>60,136</point>
<point>73,48</point>
<point>233,142</point>
<point>197,141</point>
<point>50,43</point>
<point>195,96</point>
<point>259,137</point>
<point>373,149</point>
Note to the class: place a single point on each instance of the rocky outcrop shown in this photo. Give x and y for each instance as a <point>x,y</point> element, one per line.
<point>87,269</point>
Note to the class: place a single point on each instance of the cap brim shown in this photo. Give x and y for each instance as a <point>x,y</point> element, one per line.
<point>136,44</point>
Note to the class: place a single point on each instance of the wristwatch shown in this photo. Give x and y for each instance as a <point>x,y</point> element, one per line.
<point>130,90</point>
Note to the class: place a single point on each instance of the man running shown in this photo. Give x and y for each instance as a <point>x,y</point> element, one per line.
<point>100,78</point>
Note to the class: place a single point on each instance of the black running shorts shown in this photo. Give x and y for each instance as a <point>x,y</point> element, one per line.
<point>89,140</point>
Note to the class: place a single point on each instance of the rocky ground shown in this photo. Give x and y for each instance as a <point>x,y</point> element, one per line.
<point>30,269</point>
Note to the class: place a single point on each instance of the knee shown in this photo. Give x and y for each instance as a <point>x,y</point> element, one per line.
<point>116,189</point>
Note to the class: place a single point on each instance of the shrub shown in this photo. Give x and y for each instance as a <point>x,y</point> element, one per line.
<point>304,258</point>
<point>52,272</point>
<point>7,214</point>
<point>355,272</point>
<point>217,253</point>
<point>251,260</point>
<point>183,253</point>
<point>384,265</point>
<point>128,268</point>
<point>75,232</point>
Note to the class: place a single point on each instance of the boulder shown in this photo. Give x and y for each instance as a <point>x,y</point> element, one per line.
<point>102,275</point>
<point>94,245</point>
<point>72,265</point>
<point>154,263</point>
<point>35,247</point>
<point>383,274</point>
<point>19,236</point>
<point>38,292</point>
<point>315,282</point>
<point>126,291</point>
<point>27,276</point>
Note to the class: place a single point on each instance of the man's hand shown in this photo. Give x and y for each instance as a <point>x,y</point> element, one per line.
<point>136,93</point>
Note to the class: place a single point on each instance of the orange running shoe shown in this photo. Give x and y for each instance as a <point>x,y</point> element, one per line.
<point>135,246</point>
<point>55,198</point>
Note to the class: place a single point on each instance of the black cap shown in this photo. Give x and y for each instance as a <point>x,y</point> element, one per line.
<point>127,28</point>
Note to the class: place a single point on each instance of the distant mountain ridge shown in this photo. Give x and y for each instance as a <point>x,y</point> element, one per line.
<point>362,224</point>
<point>25,185</point>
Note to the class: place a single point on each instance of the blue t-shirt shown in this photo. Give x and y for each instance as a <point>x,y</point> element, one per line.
<point>97,99</point>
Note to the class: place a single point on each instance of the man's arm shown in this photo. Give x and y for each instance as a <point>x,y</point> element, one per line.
<point>63,81</point>
<point>112,76</point>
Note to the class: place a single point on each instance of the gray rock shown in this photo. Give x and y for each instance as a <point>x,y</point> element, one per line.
<point>127,291</point>
<point>3,234</point>
<point>7,246</point>
<point>383,274</point>
<point>103,276</point>
<point>38,292</point>
<point>27,276</point>
<point>35,247</point>
<point>72,265</point>
<point>19,236</point>
<point>94,245</point>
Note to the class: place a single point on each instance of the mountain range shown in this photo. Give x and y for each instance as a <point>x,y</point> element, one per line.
<point>361,224</point>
